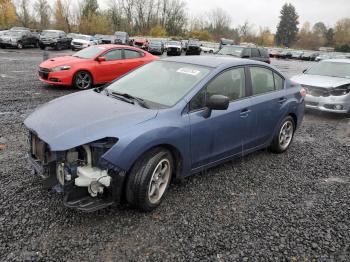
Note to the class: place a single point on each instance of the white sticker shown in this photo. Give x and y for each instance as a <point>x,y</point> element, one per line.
<point>188,71</point>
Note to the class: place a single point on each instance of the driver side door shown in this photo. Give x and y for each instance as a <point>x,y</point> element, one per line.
<point>223,134</point>
<point>110,69</point>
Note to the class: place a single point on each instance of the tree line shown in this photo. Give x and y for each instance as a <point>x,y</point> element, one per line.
<point>168,18</point>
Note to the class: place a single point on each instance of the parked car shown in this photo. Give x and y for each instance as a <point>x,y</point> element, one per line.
<point>121,38</point>
<point>254,53</point>
<point>309,56</point>
<point>209,48</point>
<point>107,39</point>
<point>285,54</point>
<point>18,39</point>
<point>156,47</point>
<point>82,41</point>
<point>56,39</point>
<point>224,41</point>
<point>174,48</point>
<point>193,47</point>
<point>327,86</point>
<point>141,43</point>
<point>129,139</point>
<point>275,52</point>
<point>297,54</point>
<point>94,65</point>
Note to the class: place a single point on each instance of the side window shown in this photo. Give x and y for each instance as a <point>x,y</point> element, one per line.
<point>132,54</point>
<point>230,83</point>
<point>262,80</point>
<point>255,52</point>
<point>112,55</point>
<point>279,82</point>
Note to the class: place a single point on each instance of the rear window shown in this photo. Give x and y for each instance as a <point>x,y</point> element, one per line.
<point>255,52</point>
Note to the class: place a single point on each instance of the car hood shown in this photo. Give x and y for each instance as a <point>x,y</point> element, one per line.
<point>320,81</point>
<point>83,117</point>
<point>62,60</point>
<point>82,41</point>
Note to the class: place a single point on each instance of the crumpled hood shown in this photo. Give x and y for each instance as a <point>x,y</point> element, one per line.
<point>84,117</point>
<point>58,61</point>
<point>320,81</point>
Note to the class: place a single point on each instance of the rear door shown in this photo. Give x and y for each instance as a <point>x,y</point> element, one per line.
<point>269,102</point>
<point>222,134</point>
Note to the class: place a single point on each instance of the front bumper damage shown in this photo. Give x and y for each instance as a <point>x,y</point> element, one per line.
<point>87,184</point>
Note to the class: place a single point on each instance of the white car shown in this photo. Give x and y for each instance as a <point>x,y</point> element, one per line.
<point>327,86</point>
<point>83,41</point>
<point>209,48</point>
<point>174,48</point>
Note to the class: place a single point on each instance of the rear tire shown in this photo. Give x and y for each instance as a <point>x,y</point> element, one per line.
<point>149,179</point>
<point>284,136</point>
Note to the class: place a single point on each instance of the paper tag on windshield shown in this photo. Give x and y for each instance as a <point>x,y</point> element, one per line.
<point>188,71</point>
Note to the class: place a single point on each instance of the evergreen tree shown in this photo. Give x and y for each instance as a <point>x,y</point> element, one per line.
<point>287,29</point>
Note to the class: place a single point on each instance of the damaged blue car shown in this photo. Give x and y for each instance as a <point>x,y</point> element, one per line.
<point>166,120</point>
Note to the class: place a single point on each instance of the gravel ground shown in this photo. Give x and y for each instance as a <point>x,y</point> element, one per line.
<point>264,207</point>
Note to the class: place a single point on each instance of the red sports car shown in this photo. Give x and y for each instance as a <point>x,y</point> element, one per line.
<point>97,64</point>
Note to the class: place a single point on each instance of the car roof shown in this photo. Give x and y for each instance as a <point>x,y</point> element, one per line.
<point>343,60</point>
<point>212,60</point>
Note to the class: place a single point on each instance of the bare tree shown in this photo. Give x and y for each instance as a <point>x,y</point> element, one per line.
<point>43,11</point>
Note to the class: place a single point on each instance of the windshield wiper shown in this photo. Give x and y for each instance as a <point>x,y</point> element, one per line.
<point>140,101</point>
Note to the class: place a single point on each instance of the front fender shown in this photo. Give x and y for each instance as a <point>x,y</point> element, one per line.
<point>128,149</point>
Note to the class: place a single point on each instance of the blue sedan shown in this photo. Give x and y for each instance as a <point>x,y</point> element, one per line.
<point>165,120</point>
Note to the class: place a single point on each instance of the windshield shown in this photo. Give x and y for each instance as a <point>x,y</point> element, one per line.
<point>161,83</point>
<point>231,50</point>
<point>156,43</point>
<point>50,33</point>
<point>335,69</point>
<point>89,52</point>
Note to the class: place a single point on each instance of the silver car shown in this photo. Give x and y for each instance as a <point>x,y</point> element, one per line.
<point>327,86</point>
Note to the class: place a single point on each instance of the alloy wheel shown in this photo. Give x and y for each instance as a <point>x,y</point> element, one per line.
<point>83,80</point>
<point>286,134</point>
<point>159,181</point>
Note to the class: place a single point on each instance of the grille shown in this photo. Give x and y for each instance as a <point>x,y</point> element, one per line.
<point>37,147</point>
<point>44,72</point>
<point>317,91</point>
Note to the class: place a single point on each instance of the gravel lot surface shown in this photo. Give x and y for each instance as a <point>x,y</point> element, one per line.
<point>264,207</point>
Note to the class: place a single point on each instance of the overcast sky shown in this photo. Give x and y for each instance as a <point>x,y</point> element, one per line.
<point>265,13</point>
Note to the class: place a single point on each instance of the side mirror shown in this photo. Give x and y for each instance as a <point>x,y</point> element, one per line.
<point>216,102</point>
<point>101,59</point>
<point>304,71</point>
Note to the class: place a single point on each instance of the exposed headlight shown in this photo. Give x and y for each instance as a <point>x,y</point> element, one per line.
<point>60,68</point>
<point>340,91</point>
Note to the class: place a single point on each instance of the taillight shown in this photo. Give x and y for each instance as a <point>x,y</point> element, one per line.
<point>303,92</point>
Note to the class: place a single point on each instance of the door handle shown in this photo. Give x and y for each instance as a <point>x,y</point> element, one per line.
<point>245,112</point>
<point>282,100</point>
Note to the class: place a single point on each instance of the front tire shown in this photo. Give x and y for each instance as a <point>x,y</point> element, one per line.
<point>19,45</point>
<point>82,80</point>
<point>284,136</point>
<point>149,179</point>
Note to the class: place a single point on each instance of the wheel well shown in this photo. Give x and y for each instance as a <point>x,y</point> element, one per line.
<point>295,119</point>
<point>177,157</point>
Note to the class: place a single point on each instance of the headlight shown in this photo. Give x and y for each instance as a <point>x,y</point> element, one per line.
<point>340,91</point>
<point>60,68</point>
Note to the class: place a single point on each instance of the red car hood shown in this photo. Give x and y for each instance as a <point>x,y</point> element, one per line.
<point>62,60</point>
